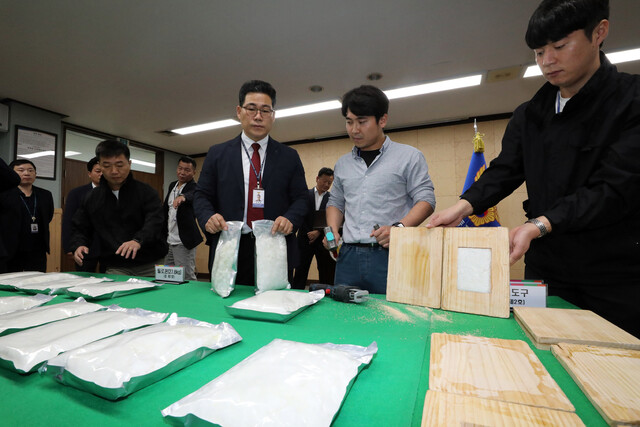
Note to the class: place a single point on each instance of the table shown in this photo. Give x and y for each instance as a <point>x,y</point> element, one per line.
<point>390,392</point>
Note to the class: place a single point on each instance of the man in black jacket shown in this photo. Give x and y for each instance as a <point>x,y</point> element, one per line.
<point>180,226</point>
<point>127,215</point>
<point>310,237</point>
<point>576,144</point>
<point>25,214</point>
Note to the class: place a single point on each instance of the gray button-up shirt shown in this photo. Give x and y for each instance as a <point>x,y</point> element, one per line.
<point>381,194</point>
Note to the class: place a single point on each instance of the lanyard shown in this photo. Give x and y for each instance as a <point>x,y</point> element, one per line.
<point>35,205</point>
<point>258,175</point>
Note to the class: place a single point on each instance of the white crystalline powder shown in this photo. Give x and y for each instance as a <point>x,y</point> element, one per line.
<point>49,278</point>
<point>113,361</point>
<point>280,302</point>
<point>62,283</point>
<point>40,315</point>
<point>474,270</point>
<point>11,304</point>
<point>223,273</point>
<point>271,263</point>
<point>11,276</point>
<point>26,349</point>
<point>275,386</point>
<point>97,289</point>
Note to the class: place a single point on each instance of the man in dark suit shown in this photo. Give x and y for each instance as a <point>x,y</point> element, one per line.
<point>25,214</point>
<point>71,205</point>
<point>8,180</point>
<point>252,177</point>
<point>310,235</point>
<point>180,227</point>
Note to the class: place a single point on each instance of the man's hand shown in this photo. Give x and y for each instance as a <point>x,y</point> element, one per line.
<point>282,225</point>
<point>452,216</point>
<point>129,248</point>
<point>313,235</point>
<point>78,255</point>
<point>382,235</point>
<point>178,201</point>
<point>215,224</point>
<point>520,238</point>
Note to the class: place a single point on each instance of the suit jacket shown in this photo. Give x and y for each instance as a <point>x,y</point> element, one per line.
<point>309,218</point>
<point>186,217</point>
<point>220,188</point>
<point>12,217</point>
<point>71,205</point>
<point>8,180</point>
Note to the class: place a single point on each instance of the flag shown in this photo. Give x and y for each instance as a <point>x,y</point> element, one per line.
<point>476,167</point>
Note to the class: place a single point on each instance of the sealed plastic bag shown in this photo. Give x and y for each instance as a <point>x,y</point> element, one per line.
<point>277,306</point>
<point>285,383</point>
<point>271,258</point>
<point>19,320</point>
<point>120,365</point>
<point>225,263</point>
<point>11,304</point>
<point>25,351</point>
<point>59,286</point>
<point>92,291</point>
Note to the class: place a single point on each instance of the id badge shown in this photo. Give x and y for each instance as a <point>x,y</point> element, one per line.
<point>258,198</point>
<point>34,228</point>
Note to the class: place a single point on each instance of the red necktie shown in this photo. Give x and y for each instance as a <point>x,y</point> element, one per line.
<point>253,214</point>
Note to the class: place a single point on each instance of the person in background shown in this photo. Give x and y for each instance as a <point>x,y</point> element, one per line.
<point>25,214</point>
<point>252,177</point>
<point>180,225</point>
<point>126,214</point>
<point>576,145</point>
<point>8,180</point>
<point>310,238</point>
<point>71,205</point>
<point>378,185</point>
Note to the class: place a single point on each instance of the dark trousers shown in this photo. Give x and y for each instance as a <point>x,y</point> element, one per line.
<point>326,265</point>
<point>617,302</point>
<point>28,261</point>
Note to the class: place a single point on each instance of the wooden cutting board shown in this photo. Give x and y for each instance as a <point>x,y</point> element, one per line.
<point>491,368</point>
<point>415,266</point>
<point>547,326</point>
<point>446,409</point>
<point>492,300</point>
<point>610,377</point>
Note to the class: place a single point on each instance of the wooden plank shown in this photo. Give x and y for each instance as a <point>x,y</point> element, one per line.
<point>446,409</point>
<point>495,369</point>
<point>494,301</point>
<point>610,377</point>
<point>415,266</point>
<point>547,326</point>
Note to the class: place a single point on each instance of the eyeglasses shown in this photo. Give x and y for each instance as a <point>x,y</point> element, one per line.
<point>252,110</point>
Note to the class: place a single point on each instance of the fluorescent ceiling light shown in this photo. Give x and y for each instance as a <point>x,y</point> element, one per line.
<point>143,163</point>
<point>71,153</point>
<point>434,87</point>
<point>614,58</point>
<point>207,126</point>
<point>306,109</point>
<point>34,155</point>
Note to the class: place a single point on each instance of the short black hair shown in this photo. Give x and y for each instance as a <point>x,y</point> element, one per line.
<point>555,19</point>
<point>92,163</point>
<point>112,148</point>
<point>257,86</point>
<point>18,162</point>
<point>187,159</point>
<point>365,100</point>
<point>325,171</point>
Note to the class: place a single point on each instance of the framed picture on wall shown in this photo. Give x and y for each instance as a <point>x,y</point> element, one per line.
<point>40,148</point>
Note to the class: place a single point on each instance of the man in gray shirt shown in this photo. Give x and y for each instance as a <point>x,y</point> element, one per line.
<point>378,185</point>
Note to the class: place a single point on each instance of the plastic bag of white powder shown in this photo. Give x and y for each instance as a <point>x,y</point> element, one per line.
<point>225,263</point>
<point>271,258</point>
<point>285,383</point>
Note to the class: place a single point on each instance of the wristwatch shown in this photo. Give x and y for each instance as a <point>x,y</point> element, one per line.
<point>540,225</point>
<point>398,224</point>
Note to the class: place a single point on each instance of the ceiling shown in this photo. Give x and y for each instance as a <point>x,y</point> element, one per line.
<point>132,68</point>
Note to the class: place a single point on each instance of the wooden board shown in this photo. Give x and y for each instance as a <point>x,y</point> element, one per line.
<point>446,409</point>
<point>495,302</point>
<point>547,326</point>
<point>491,368</point>
<point>415,266</point>
<point>610,377</point>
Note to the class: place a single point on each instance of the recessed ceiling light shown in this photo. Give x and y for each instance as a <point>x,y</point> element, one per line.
<point>316,88</point>
<point>207,126</point>
<point>614,58</point>
<point>434,87</point>
<point>306,109</point>
<point>374,76</point>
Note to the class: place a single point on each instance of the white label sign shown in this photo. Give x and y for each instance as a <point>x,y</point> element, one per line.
<point>528,295</point>
<point>169,273</point>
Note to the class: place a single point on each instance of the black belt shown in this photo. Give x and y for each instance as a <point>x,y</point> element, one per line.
<point>363,245</point>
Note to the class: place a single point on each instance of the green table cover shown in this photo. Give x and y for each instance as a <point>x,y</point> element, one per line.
<point>390,392</point>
